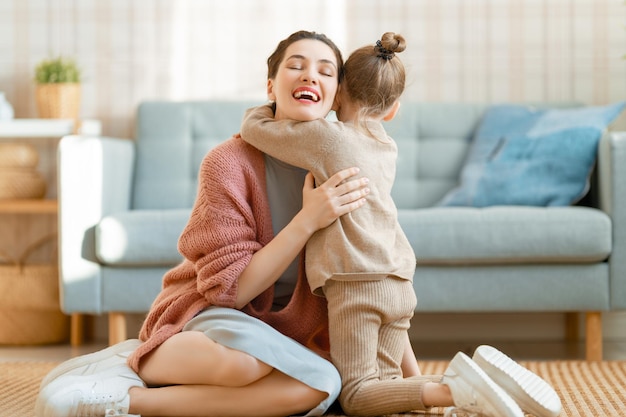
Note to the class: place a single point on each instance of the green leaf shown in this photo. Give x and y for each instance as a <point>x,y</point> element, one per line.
<point>57,70</point>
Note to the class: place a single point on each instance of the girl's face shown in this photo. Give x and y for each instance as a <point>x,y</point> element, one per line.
<point>306,82</point>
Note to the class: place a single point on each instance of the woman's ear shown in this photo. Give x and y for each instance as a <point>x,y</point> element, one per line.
<point>270,90</point>
<point>392,112</point>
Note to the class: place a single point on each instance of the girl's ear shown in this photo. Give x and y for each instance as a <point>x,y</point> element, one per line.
<point>392,112</point>
<point>270,90</point>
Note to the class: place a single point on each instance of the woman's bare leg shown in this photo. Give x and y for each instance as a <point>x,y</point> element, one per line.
<point>196,376</point>
<point>192,358</point>
<point>274,395</point>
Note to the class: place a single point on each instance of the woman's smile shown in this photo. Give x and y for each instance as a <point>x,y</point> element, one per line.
<point>306,94</point>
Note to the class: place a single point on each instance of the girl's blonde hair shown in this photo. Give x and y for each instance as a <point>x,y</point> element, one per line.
<point>374,77</point>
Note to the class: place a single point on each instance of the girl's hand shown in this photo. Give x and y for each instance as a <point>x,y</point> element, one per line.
<point>322,205</point>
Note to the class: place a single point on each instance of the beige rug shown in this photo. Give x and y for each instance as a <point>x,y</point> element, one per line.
<point>586,389</point>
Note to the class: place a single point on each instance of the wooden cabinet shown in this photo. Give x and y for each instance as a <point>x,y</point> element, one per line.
<point>33,130</point>
<point>28,206</point>
<point>24,223</point>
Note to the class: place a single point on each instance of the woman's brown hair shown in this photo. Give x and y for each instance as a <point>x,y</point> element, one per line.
<point>274,60</point>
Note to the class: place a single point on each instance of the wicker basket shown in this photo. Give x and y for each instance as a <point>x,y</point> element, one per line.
<point>18,155</point>
<point>30,312</point>
<point>58,101</point>
<point>18,183</point>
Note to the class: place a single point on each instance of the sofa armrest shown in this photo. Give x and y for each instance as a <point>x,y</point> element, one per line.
<point>612,178</point>
<point>94,179</point>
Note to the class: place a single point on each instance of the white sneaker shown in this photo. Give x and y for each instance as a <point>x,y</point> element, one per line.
<point>94,362</point>
<point>95,385</point>
<point>474,393</point>
<point>102,394</point>
<point>533,394</point>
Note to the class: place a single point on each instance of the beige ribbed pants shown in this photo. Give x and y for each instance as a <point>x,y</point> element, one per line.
<point>368,321</point>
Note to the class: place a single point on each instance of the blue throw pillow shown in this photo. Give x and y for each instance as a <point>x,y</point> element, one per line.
<point>521,155</point>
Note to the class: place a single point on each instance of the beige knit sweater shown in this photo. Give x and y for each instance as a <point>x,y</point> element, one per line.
<point>366,244</point>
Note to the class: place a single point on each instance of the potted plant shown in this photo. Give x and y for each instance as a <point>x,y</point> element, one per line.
<point>58,88</point>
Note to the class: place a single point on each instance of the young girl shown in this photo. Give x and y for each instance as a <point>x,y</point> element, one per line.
<point>363,263</point>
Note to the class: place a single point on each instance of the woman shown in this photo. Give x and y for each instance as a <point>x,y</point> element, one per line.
<point>243,234</point>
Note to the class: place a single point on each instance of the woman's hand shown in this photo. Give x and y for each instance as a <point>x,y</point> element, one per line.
<point>322,205</point>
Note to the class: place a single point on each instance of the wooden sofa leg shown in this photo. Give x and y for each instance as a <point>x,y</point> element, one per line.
<point>117,328</point>
<point>572,322</point>
<point>593,325</point>
<point>77,327</point>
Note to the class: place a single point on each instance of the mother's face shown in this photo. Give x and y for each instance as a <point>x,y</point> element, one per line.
<point>306,82</point>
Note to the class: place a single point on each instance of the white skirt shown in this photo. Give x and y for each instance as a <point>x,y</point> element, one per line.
<point>237,330</point>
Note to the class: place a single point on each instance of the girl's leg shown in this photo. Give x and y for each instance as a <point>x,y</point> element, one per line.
<point>410,367</point>
<point>192,358</point>
<point>370,361</point>
<point>274,395</point>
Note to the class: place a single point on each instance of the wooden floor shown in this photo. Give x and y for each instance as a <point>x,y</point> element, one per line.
<point>431,350</point>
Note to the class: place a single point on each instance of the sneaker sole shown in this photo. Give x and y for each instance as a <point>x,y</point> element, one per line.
<point>499,403</point>
<point>91,358</point>
<point>533,394</point>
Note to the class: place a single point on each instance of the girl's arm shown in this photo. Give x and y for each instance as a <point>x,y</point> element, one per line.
<point>321,206</point>
<point>301,144</point>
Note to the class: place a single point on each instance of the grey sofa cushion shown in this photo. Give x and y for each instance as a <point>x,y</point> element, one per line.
<point>507,235</point>
<point>433,140</point>
<point>172,140</point>
<point>141,237</point>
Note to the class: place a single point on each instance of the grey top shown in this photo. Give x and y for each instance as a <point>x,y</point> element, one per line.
<point>284,191</point>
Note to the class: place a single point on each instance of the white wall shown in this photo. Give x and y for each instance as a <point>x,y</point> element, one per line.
<point>472,50</point>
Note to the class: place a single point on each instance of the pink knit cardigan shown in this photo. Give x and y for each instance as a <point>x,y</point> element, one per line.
<point>229,222</point>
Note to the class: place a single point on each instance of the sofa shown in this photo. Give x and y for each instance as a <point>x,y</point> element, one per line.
<point>124,202</point>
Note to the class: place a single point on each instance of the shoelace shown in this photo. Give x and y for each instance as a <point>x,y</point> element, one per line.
<point>100,405</point>
<point>468,411</point>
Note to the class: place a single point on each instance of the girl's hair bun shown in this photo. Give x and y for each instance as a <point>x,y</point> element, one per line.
<point>390,44</point>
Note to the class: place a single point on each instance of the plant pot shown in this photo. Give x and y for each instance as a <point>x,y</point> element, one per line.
<point>58,101</point>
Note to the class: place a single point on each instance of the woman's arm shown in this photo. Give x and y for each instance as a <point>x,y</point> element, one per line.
<point>321,207</point>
